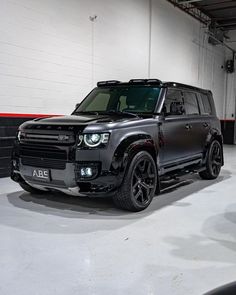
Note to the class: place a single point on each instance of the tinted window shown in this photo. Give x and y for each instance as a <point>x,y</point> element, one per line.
<point>173,104</point>
<point>137,99</point>
<point>100,103</point>
<point>191,103</point>
<point>206,105</point>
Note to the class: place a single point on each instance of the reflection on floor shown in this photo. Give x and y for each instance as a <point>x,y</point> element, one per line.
<point>184,243</point>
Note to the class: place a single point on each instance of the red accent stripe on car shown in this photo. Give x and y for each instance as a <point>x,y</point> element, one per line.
<point>14,115</point>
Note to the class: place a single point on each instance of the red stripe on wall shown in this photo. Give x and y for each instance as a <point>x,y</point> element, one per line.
<point>13,115</point>
<point>228,120</point>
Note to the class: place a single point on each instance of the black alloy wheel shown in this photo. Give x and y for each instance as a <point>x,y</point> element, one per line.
<point>139,185</point>
<point>214,161</point>
<point>143,181</point>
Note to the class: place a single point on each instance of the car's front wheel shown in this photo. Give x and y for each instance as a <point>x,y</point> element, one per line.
<point>213,162</point>
<point>139,185</point>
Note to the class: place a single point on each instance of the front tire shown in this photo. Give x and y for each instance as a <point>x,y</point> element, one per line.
<point>30,189</point>
<point>139,185</point>
<point>213,162</point>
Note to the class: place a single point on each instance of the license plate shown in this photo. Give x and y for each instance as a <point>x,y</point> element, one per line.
<point>41,174</point>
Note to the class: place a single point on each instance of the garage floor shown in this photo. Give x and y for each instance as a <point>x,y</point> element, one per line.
<point>185,242</point>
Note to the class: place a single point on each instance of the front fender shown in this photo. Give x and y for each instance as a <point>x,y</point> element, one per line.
<point>127,148</point>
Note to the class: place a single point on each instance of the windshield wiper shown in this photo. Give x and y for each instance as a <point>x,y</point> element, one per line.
<point>87,112</point>
<point>120,113</point>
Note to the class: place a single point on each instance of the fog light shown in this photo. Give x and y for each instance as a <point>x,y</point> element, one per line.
<point>86,172</point>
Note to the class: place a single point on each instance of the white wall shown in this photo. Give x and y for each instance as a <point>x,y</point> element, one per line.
<point>51,54</point>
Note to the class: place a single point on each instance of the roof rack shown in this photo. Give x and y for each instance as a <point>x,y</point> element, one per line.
<point>109,82</point>
<point>181,85</point>
<point>132,81</point>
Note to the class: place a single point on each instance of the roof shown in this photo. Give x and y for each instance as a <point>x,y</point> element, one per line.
<point>149,82</point>
<point>180,85</point>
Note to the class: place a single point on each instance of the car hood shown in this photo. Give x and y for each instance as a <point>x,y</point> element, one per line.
<point>77,123</point>
<point>90,123</point>
<point>83,119</point>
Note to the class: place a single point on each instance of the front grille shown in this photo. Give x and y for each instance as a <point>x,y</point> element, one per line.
<point>43,163</point>
<point>43,156</point>
<point>47,138</point>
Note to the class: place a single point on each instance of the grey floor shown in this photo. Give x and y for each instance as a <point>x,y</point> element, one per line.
<point>184,243</point>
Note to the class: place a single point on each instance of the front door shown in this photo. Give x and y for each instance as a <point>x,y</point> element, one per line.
<point>175,130</point>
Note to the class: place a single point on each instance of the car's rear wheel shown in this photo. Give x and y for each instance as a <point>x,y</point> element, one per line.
<point>139,185</point>
<point>213,162</point>
<point>30,189</point>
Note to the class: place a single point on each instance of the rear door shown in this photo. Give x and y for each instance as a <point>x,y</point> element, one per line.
<point>208,115</point>
<point>194,145</point>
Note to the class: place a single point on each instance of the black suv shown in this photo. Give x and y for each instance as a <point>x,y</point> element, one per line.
<point>122,140</point>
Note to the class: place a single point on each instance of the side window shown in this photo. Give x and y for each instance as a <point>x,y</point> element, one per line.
<point>207,110</point>
<point>191,103</point>
<point>173,104</point>
<point>100,103</point>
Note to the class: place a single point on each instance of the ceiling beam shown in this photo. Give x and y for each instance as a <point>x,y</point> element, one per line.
<point>199,11</point>
<point>188,1</point>
<point>217,3</point>
<point>221,8</point>
<point>192,11</point>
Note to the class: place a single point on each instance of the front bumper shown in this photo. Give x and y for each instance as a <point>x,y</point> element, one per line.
<point>68,180</point>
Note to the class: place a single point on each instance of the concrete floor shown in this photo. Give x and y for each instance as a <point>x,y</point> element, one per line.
<point>184,243</point>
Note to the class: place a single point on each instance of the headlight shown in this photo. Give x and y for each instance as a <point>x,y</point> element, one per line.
<point>19,135</point>
<point>95,139</point>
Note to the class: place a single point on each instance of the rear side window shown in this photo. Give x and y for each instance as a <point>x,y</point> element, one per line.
<point>206,106</point>
<point>191,103</point>
<point>174,104</point>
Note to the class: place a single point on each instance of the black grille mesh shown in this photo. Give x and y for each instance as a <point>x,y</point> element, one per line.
<point>43,163</point>
<point>42,152</point>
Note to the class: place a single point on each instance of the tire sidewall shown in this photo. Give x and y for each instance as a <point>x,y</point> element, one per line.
<point>129,176</point>
<point>208,164</point>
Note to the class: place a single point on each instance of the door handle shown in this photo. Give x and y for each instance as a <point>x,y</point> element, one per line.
<point>205,125</point>
<point>188,126</point>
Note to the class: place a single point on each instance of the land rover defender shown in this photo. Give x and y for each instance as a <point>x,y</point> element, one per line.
<point>121,141</point>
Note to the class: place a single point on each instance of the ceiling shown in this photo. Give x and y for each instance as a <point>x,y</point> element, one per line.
<point>223,12</point>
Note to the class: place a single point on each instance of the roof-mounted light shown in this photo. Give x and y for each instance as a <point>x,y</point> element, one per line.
<point>106,83</point>
<point>145,81</point>
<point>154,81</point>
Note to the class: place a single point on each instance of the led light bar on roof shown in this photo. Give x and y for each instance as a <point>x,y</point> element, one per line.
<point>132,81</point>
<point>110,82</point>
<point>145,81</point>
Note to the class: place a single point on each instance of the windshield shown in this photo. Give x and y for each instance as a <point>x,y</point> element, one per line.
<point>129,99</point>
